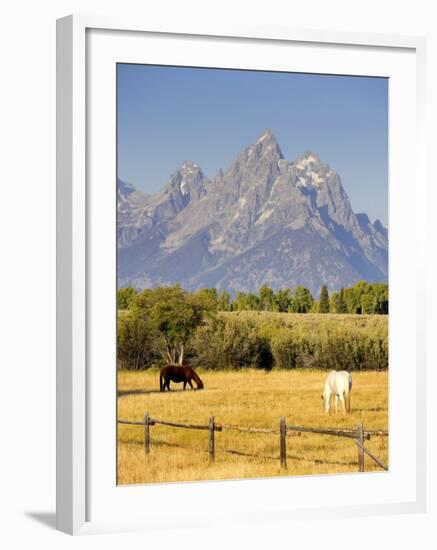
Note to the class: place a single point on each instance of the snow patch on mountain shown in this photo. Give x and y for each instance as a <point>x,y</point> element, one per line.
<point>262,220</point>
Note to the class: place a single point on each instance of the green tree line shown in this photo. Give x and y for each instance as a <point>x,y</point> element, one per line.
<point>362,298</point>
<point>171,325</point>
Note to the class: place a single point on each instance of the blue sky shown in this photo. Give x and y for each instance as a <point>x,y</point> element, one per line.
<point>167,115</point>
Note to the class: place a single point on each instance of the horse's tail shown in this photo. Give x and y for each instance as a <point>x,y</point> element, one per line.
<point>348,394</point>
<point>197,379</point>
<point>347,399</point>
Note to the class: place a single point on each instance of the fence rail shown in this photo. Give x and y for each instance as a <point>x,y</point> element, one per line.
<point>324,431</point>
<point>375,458</point>
<point>251,429</point>
<point>358,435</point>
<point>153,421</point>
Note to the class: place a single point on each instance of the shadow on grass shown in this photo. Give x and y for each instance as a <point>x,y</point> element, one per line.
<point>372,409</point>
<point>160,443</point>
<point>123,393</point>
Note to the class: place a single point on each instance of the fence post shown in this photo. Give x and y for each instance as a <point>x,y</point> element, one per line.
<point>146,434</point>
<point>360,434</point>
<point>283,441</point>
<point>211,429</point>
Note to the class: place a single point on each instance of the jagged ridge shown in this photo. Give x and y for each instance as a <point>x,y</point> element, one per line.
<point>264,220</point>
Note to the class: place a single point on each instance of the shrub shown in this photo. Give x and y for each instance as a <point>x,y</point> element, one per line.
<point>350,350</point>
<point>137,343</point>
<point>329,342</point>
<point>231,344</point>
<point>241,339</point>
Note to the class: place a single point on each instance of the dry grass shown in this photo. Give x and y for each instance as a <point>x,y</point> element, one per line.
<point>245,398</point>
<point>378,323</point>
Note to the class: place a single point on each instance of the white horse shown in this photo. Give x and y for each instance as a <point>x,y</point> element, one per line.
<point>338,384</point>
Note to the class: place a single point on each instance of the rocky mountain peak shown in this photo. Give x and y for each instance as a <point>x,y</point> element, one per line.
<point>379,227</point>
<point>127,193</point>
<point>266,146</point>
<point>257,165</point>
<point>267,138</point>
<point>188,167</point>
<point>310,171</point>
<point>188,180</point>
<point>363,221</point>
<point>264,220</point>
<point>308,161</point>
<point>124,188</point>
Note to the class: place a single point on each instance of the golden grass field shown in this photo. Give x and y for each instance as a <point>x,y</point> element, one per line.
<point>245,398</point>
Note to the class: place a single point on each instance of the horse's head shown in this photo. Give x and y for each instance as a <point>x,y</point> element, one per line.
<point>200,385</point>
<point>326,402</point>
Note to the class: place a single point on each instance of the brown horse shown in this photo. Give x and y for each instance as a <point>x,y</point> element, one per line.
<point>177,373</point>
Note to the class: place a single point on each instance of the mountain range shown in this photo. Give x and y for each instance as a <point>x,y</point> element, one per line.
<point>264,220</point>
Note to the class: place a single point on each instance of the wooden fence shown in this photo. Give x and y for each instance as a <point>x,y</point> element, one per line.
<point>358,435</point>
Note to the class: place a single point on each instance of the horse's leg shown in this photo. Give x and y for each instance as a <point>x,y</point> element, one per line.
<point>191,384</point>
<point>347,398</point>
<point>185,384</point>
<point>336,404</point>
<point>342,403</point>
<point>327,401</point>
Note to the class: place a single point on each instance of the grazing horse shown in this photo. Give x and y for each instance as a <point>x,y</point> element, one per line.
<point>339,384</point>
<point>178,373</point>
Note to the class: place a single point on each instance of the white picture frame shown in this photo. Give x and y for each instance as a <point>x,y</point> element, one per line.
<point>74,278</point>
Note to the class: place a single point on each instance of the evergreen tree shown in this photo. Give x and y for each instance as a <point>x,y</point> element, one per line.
<point>324,300</point>
<point>340,303</point>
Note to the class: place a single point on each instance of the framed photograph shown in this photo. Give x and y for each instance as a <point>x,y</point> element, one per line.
<point>240,329</point>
